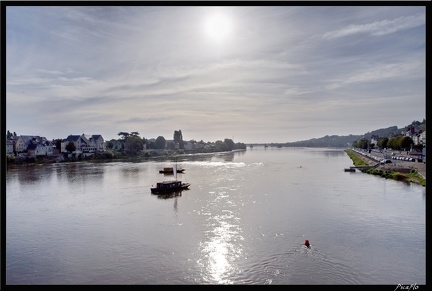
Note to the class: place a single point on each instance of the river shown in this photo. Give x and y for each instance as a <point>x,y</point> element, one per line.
<point>243,221</point>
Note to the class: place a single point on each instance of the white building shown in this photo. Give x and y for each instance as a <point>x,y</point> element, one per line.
<point>33,145</point>
<point>85,143</point>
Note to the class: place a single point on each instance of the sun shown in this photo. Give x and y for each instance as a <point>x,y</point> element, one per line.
<point>217,27</point>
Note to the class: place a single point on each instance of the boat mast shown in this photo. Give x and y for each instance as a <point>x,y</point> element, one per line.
<point>175,169</point>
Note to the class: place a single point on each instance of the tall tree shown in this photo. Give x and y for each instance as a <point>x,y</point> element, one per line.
<point>57,143</point>
<point>221,146</point>
<point>160,142</point>
<point>382,142</point>
<point>229,143</point>
<point>110,144</point>
<point>170,145</point>
<point>406,143</point>
<point>133,145</point>
<point>123,134</point>
<point>70,147</point>
<point>151,144</point>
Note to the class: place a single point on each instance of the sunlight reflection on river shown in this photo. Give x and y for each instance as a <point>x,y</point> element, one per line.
<point>223,239</point>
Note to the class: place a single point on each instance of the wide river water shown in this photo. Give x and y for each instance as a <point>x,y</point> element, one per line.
<point>243,221</point>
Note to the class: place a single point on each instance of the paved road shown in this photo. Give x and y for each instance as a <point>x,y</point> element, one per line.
<point>420,166</point>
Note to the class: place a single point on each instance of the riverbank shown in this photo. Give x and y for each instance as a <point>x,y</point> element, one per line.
<point>409,172</point>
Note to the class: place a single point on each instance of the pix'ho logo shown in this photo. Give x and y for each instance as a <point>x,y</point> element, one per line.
<point>407,287</point>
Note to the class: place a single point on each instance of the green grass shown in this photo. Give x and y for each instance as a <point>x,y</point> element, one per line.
<point>355,158</point>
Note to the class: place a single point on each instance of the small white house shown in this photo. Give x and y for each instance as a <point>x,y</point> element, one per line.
<point>34,145</point>
<point>40,149</point>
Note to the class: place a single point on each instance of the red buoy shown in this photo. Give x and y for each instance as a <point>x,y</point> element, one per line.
<point>307,243</point>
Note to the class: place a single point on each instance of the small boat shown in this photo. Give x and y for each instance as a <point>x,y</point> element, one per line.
<point>170,170</point>
<point>169,187</point>
<point>350,170</point>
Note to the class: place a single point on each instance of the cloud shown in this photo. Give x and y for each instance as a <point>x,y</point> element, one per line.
<point>408,69</point>
<point>102,70</point>
<point>379,28</point>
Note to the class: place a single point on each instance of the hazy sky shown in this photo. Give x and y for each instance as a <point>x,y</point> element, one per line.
<point>261,74</point>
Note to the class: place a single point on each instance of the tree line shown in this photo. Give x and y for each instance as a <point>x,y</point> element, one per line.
<point>397,143</point>
<point>133,144</point>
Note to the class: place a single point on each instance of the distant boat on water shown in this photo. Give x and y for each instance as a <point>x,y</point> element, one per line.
<point>170,170</point>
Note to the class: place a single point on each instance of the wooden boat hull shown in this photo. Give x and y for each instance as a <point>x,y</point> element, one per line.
<point>169,187</point>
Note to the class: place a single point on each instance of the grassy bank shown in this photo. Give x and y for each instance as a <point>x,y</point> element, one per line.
<point>406,175</point>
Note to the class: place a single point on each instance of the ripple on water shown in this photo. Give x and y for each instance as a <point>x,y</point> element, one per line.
<point>291,266</point>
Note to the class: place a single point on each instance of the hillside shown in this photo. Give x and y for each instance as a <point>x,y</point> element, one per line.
<point>347,140</point>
